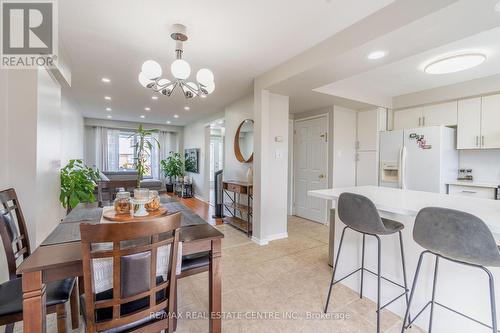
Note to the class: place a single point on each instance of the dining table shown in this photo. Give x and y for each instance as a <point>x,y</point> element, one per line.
<point>59,256</point>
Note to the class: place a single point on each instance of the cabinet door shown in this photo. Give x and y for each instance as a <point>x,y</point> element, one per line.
<point>469,123</point>
<point>490,122</point>
<point>367,130</point>
<point>367,168</point>
<point>440,114</point>
<point>407,118</point>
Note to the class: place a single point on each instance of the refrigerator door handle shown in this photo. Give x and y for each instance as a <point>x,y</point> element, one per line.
<point>402,167</point>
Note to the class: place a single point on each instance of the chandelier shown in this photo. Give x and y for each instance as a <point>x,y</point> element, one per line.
<point>150,75</point>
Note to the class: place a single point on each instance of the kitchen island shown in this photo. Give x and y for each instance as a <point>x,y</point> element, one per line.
<point>462,288</point>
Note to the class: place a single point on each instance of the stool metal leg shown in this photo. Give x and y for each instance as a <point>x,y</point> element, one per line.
<point>436,265</point>
<point>362,267</point>
<point>412,293</point>
<point>335,269</point>
<point>405,279</point>
<point>494,324</point>
<point>379,261</point>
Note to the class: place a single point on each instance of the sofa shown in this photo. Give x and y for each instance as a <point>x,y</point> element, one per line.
<point>150,183</point>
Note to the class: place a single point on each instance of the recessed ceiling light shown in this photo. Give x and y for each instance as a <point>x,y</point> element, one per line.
<point>107,98</point>
<point>497,7</point>
<point>187,108</point>
<point>176,116</point>
<point>168,121</point>
<point>147,109</point>
<point>143,116</point>
<point>455,63</point>
<point>376,55</point>
<point>108,109</point>
<point>105,80</point>
<point>109,116</point>
<point>154,97</point>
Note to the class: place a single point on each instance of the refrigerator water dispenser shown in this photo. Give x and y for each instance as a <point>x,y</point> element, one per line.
<point>390,172</point>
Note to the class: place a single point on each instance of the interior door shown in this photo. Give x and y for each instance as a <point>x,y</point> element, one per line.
<point>310,167</point>
<point>366,168</point>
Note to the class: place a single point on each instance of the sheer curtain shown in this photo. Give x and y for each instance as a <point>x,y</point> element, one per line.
<point>113,149</point>
<point>101,148</point>
<point>168,143</point>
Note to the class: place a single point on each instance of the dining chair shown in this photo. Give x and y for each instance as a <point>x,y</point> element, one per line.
<point>111,187</point>
<point>142,294</point>
<point>16,245</point>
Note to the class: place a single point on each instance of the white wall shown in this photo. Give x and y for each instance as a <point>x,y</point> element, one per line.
<point>234,114</point>
<point>72,126</point>
<point>485,164</point>
<point>196,136</point>
<point>344,147</point>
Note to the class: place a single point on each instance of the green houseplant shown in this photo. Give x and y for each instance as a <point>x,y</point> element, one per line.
<point>172,167</point>
<point>143,146</point>
<point>78,183</point>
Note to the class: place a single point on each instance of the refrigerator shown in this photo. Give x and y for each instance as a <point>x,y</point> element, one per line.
<point>420,159</point>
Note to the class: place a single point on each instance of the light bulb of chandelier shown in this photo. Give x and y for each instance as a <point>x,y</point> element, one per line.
<point>205,76</point>
<point>145,82</point>
<point>210,87</point>
<point>162,83</point>
<point>180,69</point>
<point>151,69</point>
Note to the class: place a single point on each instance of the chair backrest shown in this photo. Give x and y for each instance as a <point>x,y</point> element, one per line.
<point>13,230</point>
<point>360,213</point>
<point>111,187</point>
<point>456,235</point>
<point>133,249</point>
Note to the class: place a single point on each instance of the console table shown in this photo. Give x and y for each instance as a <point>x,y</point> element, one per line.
<point>239,208</point>
<point>183,190</point>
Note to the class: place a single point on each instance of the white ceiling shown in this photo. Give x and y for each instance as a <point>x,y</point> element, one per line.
<point>407,75</point>
<point>238,40</point>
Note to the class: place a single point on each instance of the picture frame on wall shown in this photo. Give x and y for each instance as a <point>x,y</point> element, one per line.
<point>191,160</point>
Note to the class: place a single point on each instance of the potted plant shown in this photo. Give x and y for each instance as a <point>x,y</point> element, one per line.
<point>143,149</point>
<point>172,168</point>
<point>78,183</point>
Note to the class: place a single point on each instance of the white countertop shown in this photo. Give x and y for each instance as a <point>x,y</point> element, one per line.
<point>473,183</point>
<point>406,202</point>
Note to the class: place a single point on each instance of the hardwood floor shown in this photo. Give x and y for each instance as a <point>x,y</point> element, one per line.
<point>202,208</point>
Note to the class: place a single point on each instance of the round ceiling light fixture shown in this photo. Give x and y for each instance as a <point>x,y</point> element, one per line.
<point>455,63</point>
<point>151,72</point>
<point>376,55</point>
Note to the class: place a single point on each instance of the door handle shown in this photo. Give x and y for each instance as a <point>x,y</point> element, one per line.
<point>471,192</point>
<point>321,176</point>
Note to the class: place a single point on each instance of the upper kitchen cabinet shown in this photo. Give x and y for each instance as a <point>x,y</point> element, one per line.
<point>408,118</point>
<point>370,123</point>
<point>440,114</point>
<point>490,122</point>
<point>469,124</point>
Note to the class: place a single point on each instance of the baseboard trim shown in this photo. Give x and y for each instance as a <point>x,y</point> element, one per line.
<point>259,241</point>
<point>277,236</point>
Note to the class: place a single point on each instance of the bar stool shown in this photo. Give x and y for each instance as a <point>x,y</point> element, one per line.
<point>458,237</point>
<point>359,214</point>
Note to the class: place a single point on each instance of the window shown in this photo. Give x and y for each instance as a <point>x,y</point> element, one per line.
<point>121,152</point>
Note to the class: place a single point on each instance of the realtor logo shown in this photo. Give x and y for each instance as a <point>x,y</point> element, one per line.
<point>28,34</point>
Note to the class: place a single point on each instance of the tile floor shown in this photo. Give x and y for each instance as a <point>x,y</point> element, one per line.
<point>289,275</point>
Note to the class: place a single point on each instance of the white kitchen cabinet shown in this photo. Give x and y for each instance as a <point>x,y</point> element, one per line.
<point>408,118</point>
<point>369,124</point>
<point>367,168</point>
<point>440,114</point>
<point>469,123</point>
<point>490,122</point>
<point>472,191</point>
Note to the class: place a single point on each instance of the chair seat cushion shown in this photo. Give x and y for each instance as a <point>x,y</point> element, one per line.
<point>392,226</point>
<point>195,260</point>
<point>11,294</point>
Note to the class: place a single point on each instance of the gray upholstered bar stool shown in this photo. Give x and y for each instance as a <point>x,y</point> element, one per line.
<point>359,214</point>
<point>458,237</point>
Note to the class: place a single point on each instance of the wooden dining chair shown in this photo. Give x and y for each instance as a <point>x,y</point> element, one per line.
<point>16,245</point>
<point>141,299</point>
<point>110,188</point>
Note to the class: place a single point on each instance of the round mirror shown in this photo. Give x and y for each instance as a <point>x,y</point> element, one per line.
<point>243,142</point>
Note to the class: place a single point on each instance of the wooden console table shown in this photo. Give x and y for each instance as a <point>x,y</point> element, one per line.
<point>241,211</point>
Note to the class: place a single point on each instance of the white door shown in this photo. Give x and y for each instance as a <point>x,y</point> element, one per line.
<point>422,165</point>
<point>408,118</point>
<point>469,123</point>
<point>367,168</point>
<point>310,167</point>
<point>367,130</point>
<point>490,122</point>
<point>440,114</point>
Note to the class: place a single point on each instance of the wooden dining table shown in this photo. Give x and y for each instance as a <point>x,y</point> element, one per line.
<point>62,258</point>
